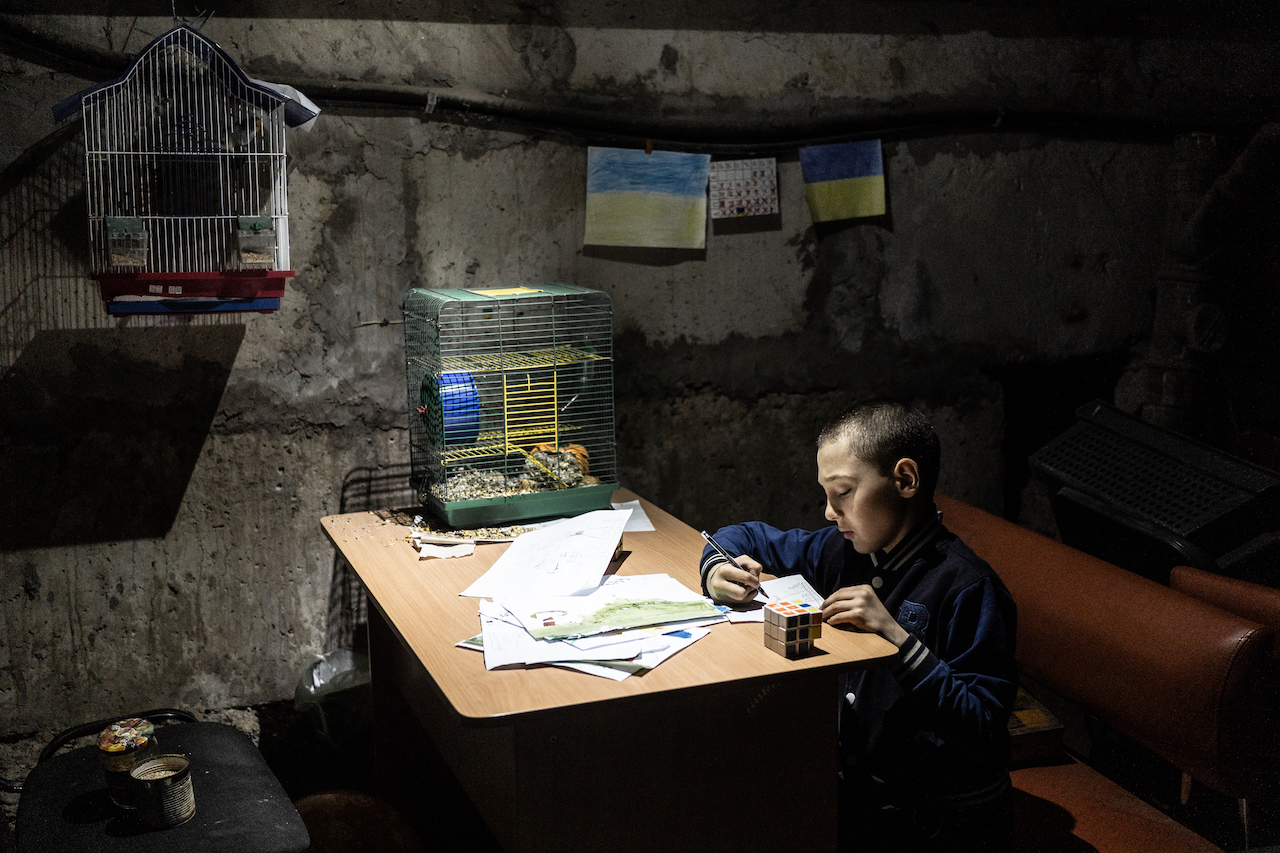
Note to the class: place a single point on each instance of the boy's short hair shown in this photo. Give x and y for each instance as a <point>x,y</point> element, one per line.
<point>884,431</point>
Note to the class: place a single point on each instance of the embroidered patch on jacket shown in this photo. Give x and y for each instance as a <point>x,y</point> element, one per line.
<point>914,617</point>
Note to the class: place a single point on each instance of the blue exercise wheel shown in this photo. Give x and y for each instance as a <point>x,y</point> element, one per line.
<point>451,407</point>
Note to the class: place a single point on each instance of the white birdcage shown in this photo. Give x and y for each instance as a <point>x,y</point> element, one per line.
<point>186,186</point>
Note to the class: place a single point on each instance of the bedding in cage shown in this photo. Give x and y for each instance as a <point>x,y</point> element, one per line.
<point>186,185</point>
<point>510,401</point>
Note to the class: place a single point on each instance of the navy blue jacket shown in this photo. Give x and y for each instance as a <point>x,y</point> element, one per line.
<point>935,723</point>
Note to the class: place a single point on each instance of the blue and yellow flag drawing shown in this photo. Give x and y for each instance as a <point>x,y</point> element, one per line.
<point>843,181</point>
<point>653,200</point>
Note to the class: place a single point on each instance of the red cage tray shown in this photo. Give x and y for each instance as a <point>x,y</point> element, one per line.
<point>233,284</point>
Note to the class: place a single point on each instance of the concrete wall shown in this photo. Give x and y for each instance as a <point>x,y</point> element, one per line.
<point>1026,243</point>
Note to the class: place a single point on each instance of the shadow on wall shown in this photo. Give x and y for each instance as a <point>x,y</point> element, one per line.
<point>644,256</point>
<point>100,430</point>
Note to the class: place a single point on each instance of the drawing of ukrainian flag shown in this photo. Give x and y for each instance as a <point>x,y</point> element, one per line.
<point>843,181</point>
<point>652,200</point>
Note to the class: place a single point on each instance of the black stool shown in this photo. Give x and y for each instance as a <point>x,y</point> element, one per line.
<point>240,805</point>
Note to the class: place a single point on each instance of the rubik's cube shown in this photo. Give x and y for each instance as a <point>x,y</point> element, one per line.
<point>790,627</point>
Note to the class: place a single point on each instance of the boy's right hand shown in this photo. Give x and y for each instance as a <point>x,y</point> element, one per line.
<point>731,585</point>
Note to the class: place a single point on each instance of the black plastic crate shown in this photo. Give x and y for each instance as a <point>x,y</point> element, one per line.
<point>1148,499</point>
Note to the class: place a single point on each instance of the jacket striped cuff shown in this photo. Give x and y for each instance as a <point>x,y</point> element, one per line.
<point>709,562</point>
<point>915,661</point>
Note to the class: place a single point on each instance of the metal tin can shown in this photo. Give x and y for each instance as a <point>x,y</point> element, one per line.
<point>165,795</point>
<point>121,746</point>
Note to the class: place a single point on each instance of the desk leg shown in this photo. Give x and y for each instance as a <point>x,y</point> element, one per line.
<point>639,774</point>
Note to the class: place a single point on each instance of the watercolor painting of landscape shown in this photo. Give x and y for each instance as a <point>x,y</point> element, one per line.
<point>656,200</point>
<point>621,602</point>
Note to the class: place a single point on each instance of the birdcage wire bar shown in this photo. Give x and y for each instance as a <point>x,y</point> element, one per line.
<point>182,145</point>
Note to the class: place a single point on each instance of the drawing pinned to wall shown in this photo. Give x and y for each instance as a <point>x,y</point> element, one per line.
<point>744,187</point>
<point>843,181</point>
<point>655,200</point>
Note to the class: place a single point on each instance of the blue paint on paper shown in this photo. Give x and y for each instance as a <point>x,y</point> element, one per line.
<point>684,635</point>
<point>611,170</point>
<point>819,163</point>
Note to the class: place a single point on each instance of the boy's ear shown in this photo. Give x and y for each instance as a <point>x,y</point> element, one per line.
<point>906,477</point>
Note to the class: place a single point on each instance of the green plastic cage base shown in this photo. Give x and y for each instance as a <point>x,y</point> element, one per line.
<point>486,512</point>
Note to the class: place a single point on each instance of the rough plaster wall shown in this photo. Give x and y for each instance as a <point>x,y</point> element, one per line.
<point>998,249</point>
<point>967,285</point>
<point>25,84</point>
<point>913,307</point>
<point>219,612</point>
<point>760,460</point>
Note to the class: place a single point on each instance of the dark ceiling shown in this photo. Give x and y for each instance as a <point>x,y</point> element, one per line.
<point>1195,19</point>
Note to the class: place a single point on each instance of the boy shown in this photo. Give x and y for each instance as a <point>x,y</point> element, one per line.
<point>924,745</point>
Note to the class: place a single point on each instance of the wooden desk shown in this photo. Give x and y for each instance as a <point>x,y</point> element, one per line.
<point>726,746</point>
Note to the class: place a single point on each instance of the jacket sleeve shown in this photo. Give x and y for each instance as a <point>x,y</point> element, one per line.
<point>781,552</point>
<point>972,679</point>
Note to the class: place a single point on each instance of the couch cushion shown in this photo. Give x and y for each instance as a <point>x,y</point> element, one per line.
<point>1171,672</point>
<point>1059,806</point>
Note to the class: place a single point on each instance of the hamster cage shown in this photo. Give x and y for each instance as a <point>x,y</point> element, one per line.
<point>510,401</point>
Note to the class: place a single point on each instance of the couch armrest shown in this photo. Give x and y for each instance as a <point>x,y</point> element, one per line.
<point>1261,735</point>
<point>1175,674</point>
<point>1253,601</point>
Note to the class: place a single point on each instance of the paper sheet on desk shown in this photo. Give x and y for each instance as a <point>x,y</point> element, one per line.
<point>674,641</point>
<point>629,601</point>
<point>566,558</point>
<point>789,588</point>
<point>507,643</point>
<point>792,588</point>
<point>639,521</point>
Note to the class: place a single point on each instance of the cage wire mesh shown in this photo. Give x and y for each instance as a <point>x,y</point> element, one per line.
<point>510,401</point>
<point>185,165</point>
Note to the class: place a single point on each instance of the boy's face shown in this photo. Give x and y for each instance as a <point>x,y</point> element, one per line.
<point>869,507</point>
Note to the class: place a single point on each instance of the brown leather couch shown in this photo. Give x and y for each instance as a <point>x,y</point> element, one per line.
<point>1175,673</point>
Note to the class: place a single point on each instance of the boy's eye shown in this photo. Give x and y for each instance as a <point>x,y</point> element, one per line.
<point>842,494</point>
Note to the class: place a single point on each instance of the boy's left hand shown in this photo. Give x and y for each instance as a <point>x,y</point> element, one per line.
<point>860,607</point>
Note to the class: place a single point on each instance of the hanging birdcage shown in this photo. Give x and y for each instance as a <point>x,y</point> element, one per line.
<point>186,186</point>
<point>510,401</point>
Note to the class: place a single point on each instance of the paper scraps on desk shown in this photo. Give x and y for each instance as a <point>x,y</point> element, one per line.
<point>434,530</point>
<point>430,550</point>
<point>622,601</point>
<point>565,558</point>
